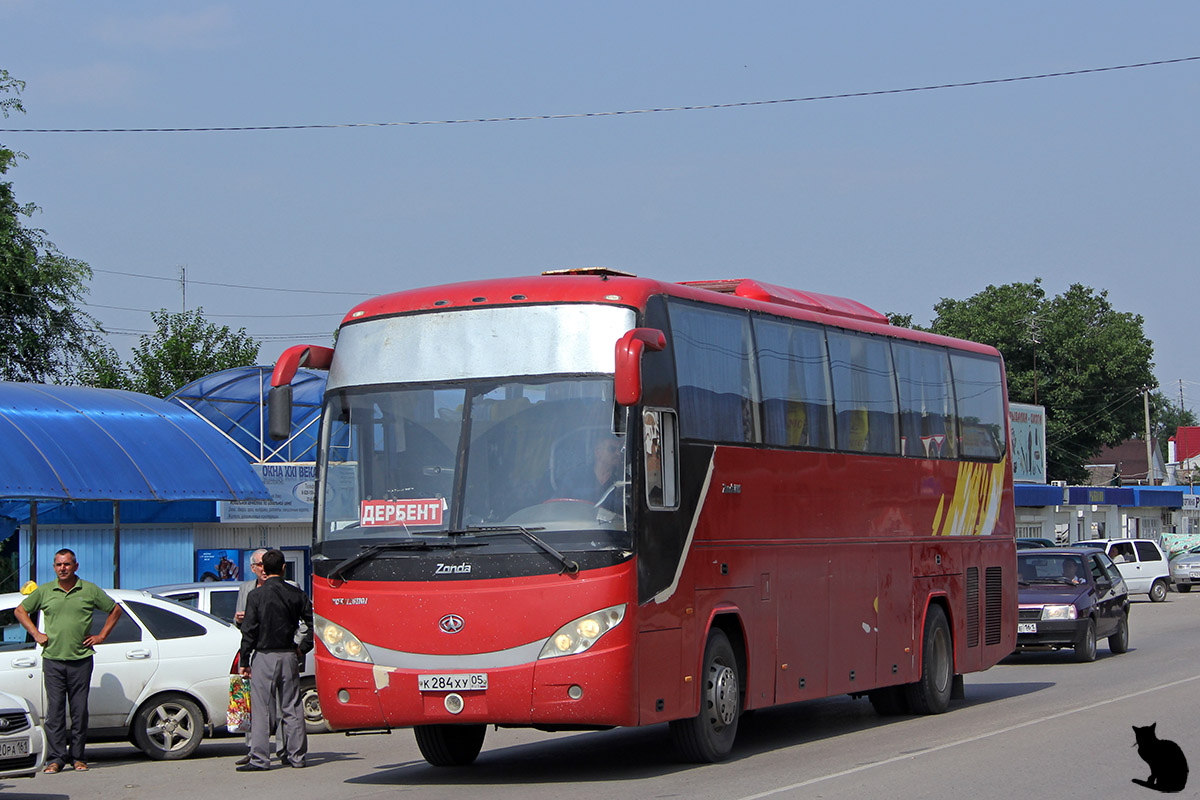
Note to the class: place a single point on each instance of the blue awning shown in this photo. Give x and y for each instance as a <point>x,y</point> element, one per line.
<point>78,443</point>
<point>1038,494</point>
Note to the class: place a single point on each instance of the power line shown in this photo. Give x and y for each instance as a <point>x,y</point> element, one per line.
<point>236,286</point>
<point>255,315</point>
<point>627,112</point>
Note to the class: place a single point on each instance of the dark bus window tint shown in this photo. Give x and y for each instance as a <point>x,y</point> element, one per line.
<point>979,387</point>
<point>164,624</point>
<point>126,630</point>
<point>797,404</point>
<point>713,365</point>
<point>864,393</point>
<point>926,401</point>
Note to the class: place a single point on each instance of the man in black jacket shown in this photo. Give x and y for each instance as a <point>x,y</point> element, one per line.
<point>274,613</point>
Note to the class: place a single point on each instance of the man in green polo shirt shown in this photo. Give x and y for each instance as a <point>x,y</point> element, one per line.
<point>67,655</point>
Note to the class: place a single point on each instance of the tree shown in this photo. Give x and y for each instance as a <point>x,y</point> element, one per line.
<point>1165,419</point>
<point>183,348</point>
<point>1084,361</point>
<point>47,336</point>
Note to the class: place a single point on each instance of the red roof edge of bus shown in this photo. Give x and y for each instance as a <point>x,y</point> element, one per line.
<point>597,285</point>
<point>810,301</point>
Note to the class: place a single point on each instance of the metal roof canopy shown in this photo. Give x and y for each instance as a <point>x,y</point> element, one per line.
<point>78,443</point>
<point>234,402</point>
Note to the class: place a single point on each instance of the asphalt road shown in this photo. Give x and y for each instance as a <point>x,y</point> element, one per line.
<point>1036,726</point>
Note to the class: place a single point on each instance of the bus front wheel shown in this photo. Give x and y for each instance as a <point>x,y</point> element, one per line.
<point>450,745</point>
<point>708,736</point>
<point>931,693</point>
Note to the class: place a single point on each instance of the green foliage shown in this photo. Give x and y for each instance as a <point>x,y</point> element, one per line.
<point>183,348</point>
<point>1165,419</point>
<point>47,336</point>
<point>1084,361</point>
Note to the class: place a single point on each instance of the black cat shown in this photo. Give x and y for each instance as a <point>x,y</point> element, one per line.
<point>1168,767</point>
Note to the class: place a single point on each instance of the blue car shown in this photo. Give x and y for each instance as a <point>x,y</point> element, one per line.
<point>1071,597</point>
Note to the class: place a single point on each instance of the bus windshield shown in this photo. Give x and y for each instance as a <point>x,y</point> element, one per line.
<point>475,458</point>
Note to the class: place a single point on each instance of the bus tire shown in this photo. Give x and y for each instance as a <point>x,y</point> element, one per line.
<point>450,745</point>
<point>931,692</point>
<point>708,736</point>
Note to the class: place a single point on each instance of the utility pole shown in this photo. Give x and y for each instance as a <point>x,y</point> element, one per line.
<point>1033,337</point>
<point>1149,443</point>
<point>183,285</point>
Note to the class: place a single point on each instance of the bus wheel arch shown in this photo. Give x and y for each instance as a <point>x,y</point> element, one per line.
<point>709,736</point>
<point>931,692</point>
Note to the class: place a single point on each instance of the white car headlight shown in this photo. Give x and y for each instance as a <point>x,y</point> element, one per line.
<point>1058,612</point>
<point>340,642</point>
<point>580,634</point>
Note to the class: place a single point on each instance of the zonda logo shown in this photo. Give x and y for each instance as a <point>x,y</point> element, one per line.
<point>452,569</point>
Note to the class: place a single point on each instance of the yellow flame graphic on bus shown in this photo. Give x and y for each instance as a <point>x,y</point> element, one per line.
<point>975,506</point>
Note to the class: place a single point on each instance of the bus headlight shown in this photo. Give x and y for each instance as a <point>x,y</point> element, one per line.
<point>340,642</point>
<point>1058,612</point>
<point>580,634</point>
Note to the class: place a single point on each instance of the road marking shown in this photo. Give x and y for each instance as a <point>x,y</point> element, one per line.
<point>948,745</point>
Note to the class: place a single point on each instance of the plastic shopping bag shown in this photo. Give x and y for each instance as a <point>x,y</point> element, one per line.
<point>237,719</point>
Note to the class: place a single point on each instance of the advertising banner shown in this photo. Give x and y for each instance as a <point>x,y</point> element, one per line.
<point>1028,425</point>
<point>293,493</point>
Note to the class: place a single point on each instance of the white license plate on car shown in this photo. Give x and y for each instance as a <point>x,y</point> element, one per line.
<point>1026,627</point>
<point>453,682</point>
<point>1195,575</point>
<point>14,748</point>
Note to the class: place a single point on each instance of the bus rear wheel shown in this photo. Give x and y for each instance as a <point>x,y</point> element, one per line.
<point>450,745</point>
<point>708,736</point>
<point>931,693</point>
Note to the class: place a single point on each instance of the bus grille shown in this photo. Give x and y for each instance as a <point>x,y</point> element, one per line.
<point>972,606</point>
<point>993,605</point>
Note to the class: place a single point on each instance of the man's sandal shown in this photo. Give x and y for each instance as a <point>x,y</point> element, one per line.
<point>52,768</point>
<point>81,766</point>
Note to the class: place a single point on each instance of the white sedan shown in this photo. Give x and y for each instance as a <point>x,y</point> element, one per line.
<point>161,677</point>
<point>22,739</point>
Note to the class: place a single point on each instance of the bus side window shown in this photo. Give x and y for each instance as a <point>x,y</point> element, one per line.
<point>659,446</point>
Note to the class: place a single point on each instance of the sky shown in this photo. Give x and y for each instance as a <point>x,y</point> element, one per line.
<point>895,199</point>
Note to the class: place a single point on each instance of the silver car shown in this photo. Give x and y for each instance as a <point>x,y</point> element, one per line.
<point>1185,569</point>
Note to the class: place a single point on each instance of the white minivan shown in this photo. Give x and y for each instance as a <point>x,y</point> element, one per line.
<point>1141,563</point>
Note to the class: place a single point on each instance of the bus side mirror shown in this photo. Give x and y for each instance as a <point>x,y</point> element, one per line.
<point>628,377</point>
<point>279,412</point>
<point>279,400</point>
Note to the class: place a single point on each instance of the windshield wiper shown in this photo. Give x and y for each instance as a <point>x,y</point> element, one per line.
<point>569,566</point>
<point>370,551</point>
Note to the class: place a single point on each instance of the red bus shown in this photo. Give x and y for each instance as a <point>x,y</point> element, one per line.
<point>584,499</point>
